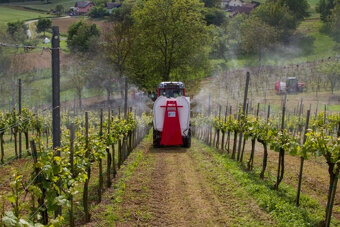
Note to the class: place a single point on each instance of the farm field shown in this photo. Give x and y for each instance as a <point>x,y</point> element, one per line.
<point>10,14</point>
<point>41,5</point>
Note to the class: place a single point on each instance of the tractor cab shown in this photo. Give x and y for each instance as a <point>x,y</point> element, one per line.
<point>171,89</point>
<point>292,84</point>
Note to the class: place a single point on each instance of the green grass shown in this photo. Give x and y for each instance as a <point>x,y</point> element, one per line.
<point>280,204</point>
<point>313,46</point>
<point>10,15</point>
<point>110,214</point>
<point>41,5</point>
<point>334,108</point>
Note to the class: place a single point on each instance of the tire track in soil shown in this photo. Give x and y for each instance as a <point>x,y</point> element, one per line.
<point>170,189</point>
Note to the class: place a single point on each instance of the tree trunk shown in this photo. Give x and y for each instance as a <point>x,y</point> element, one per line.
<point>2,147</point>
<point>228,141</point>
<point>79,99</point>
<point>86,195</point>
<point>223,135</point>
<point>100,188</point>
<point>280,169</point>
<point>108,168</point>
<point>114,171</point>
<point>15,145</point>
<point>251,159</point>
<point>27,143</point>
<point>265,158</point>
<point>108,96</point>
<point>300,181</point>
<point>243,147</point>
<point>234,146</point>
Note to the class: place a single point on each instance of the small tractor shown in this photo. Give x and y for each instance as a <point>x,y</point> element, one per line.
<point>171,120</point>
<point>291,85</point>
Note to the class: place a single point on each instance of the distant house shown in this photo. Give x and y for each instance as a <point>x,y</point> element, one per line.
<point>81,8</point>
<point>229,5</point>
<point>224,4</point>
<point>245,8</point>
<point>235,3</point>
<point>112,5</point>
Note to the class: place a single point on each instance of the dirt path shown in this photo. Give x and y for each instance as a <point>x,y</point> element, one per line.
<point>176,187</point>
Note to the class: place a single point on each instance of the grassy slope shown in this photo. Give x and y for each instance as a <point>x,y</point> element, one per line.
<point>41,5</point>
<point>322,47</point>
<point>280,204</point>
<point>10,14</point>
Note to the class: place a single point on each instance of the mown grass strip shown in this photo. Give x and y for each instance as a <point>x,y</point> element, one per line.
<point>110,214</point>
<point>280,204</point>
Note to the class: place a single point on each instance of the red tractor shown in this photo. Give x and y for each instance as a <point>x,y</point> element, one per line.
<point>171,121</point>
<point>291,85</point>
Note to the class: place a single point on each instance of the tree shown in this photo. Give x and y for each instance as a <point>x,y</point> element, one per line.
<point>119,38</point>
<point>324,7</point>
<point>214,16</point>
<point>43,25</point>
<point>212,3</point>
<point>59,10</point>
<point>299,8</point>
<point>78,75</point>
<point>81,35</point>
<point>333,22</point>
<point>17,30</point>
<point>170,35</point>
<point>104,77</point>
<point>277,16</point>
<point>98,12</point>
<point>256,36</point>
<point>332,70</point>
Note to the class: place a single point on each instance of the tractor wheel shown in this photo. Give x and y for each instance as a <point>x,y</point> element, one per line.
<point>187,140</point>
<point>156,139</point>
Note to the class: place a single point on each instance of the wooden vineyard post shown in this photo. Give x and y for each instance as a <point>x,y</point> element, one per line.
<point>2,146</point>
<point>88,170</point>
<point>265,149</point>
<point>218,130</point>
<point>114,171</point>
<point>253,141</point>
<point>223,131</point>
<point>20,117</point>
<point>243,112</point>
<point>244,139</point>
<point>14,131</point>
<point>41,199</point>
<point>302,159</point>
<point>72,133</point>
<point>332,189</point>
<point>235,138</point>
<point>280,169</point>
<point>101,180</point>
<point>56,131</point>
<point>228,135</point>
<point>120,155</point>
<point>109,158</point>
<point>126,99</point>
<point>209,127</point>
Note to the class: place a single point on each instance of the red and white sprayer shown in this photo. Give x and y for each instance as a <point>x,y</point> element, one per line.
<point>171,121</point>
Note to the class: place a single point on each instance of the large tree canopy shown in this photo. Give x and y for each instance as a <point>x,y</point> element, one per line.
<point>43,24</point>
<point>324,7</point>
<point>81,35</point>
<point>171,36</point>
<point>277,16</point>
<point>298,7</point>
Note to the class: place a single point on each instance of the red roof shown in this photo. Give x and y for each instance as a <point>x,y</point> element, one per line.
<point>246,8</point>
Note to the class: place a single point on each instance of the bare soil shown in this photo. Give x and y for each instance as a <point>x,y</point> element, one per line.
<point>65,23</point>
